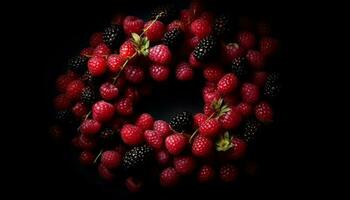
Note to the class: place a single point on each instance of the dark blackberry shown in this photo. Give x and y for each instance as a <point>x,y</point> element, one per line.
<point>239,67</point>
<point>181,121</point>
<point>88,96</point>
<point>206,49</point>
<point>273,85</point>
<point>167,13</point>
<point>223,25</point>
<point>78,64</point>
<point>137,158</point>
<point>173,38</point>
<point>108,138</point>
<point>251,127</point>
<point>64,117</point>
<point>113,35</point>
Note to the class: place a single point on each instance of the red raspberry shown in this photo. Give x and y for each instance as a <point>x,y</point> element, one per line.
<point>90,127</point>
<point>74,89</point>
<point>63,81</point>
<point>124,107</point>
<point>186,16</point>
<point>154,31</point>
<point>193,42</point>
<point>154,139</point>
<point>105,173</point>
<point>159,72</point>
<point>134,74</point>
<point>209,97</point>
<point>115,62</point>
<point>232,51</point>
<point>227,84</point>
<point>208,16</point>
<point>175,143</point>
<point>246,39</point>
<point>160,54</point>
<point>208,109</point>
<point>176,24</point>
<point>101,50</point>
<point>108,91</point>
<point>131,135</point>
<point>213,72</point>
<point>169,177</point>
<point>245,109</point>
<point>263,112</point>
<point>228,173</point>
<point>97,65</point>
<point>255,59</point>
<point>132,94</point>
<point>162,127</point>
<point>102,111</point>
<point>61,102</point>
<point>133,185</point>
<point>79,110</point>
<point>268,46</point>
<point>238,150</point>
<point>184,164</point>
<point>132,24</point>
<point>250,93</point>
<point>202,146</point>
<point>96,39</point>
<point>205,174</point>
<point>232,119</point>
<point>163,157</point>
<point>199,119</point>
<point>194,62</point>
<point>210,128</point>
<point>86,158</point>
<point>118,19</point>
<point>86,143</point>
<point>127,49</point>
<point>259,78</point>
<point>111,159</point>
<point>201,28</point>
<point>145,121</point>
<point>184,72</point>
<point>87,52</point>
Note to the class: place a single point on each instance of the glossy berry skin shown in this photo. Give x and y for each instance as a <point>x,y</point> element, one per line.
<point>213,73</point>
<point>202,146</point>
<point>162,127</point>
<point>111,159</point>
<point>201,28</point>
<point>199,118</point>
<point>210,128</point>
<point>227,84</point>
<point>175,143</point>
<point>132,24</point>
<point>184,72</point>
<point>131,134</point>
<point>255,59</point>
<point>79,110</point>
<point>115,62</point>
<point>160,54</point>
<point>159,72</point>
<point>74,89</point>
<point>102,111</point>
<point>124,107</point>
<point>250,93</point>
<point>134,74</point>
<point>184,164</point>
<point>232,119</point>
<point>155,30</point>
<point>245,109</point>
<point>97,65</point>
<point>154,139</point>
<point>163,158</point>
<point>127,49</point>
<point>238,151</point>
<point>108,91</point>
<point>90,127</point>
<point>246,39</point>
<point>96,39</point>
<point>145,121</point>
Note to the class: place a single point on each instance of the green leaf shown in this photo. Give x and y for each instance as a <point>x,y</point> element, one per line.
<point>224,143</point>
<point>136,38</point>
<point>147,44</point>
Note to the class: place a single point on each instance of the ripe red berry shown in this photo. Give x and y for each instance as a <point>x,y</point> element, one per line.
<point>63,81</point>
<point>131,135</point>
<point>259,78</point>
<point>232,119</point>
<point>108,91</point>
<point>101,50</point>
<point>111,159</point>
<point>205,174</point>
<point>74,89</point>
<point>199,118</point>
<point>169,177</point>
<point>124,107</point>
<point>79,110</point>
<point>160,54</point>
<point>132,24</point>
<point>175,143</point>
<point>102,111</point>
<point>162,127</point>
<point>96,39</point>
<point>208,109</point>
<point>97,65</point>
<point>105,173</point>
<point>211,96</point>
<point>227,84</point>
<point>62,102</point>
<point>159,72</point>
<point>213,72</point>
<point>210,128</point>
<point>255,59</point>
<point>245,109</point>
<point>134,74</point>
<point>115,62</point>
<point>246,39</point>
<point>238,150</point>
<point>232,51</point>
<point>127,49</point>
<point>250,93</point>
<point>184,164</point>
<point>194,62</point>
<point>263,112</point>
<point>228,173</point>
<point>90,127</point>
<point>268,46</point>
<point>202,146</point>
<point>163,157</point>
<point>86,143</point>
<point>154,139</point>
<point>184,72</point>
<point>154,30</point>
<point>176,24</point>
<point>145,121</point>
<point>86,158</point>
<point>201,28</point>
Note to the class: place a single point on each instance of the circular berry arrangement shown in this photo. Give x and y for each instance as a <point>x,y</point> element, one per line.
<point>97,96</point>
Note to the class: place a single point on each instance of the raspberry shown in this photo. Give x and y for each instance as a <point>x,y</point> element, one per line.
<point>175,143</point>
<point>154,30</point>
<point>205,174</point>
<point>227,84</point>
<point>201,28</point>
<point>263,112</point>
<point>127,49</point>
<point>74,89</point>
<point>202,146</point>
<point>194,62</point>
<point>133,185</point>
<point>245,109</point>
<point>108,91</point>
<point>259,78</point>
<point>86,143</point>
<point>110,159</point>
<point>250,93</point>
<point>132,24</point>
<point>132,94</point>
<point>246,39</point>
<point>268,46</point>
<point>160,54</point>
<point>232,51</point>
<point>199,118</point>
<point>90,127</point>
<point>176,24</point>
<point>163,157</point>
<point>192,42</point>
<point>124,107</point>
<point>87,52</point>
<point>102,111</point>
<point>186,16</point>
<point>86,158</point>
<point>134,74</point>
<point>61,102</point>
<point>255,59</point>
<point>96,39</point>
<point>131,135</point>
<point>145,121</point>
<point>184,164</point>
<point>159,72</point>
<point>208,109</point>
<point>63,81</point>
<point>232,119</point>
<point>228,173</point>
<point>237,151</point>
<point>79,110</point>
<point>105,173</point>
<point>115,62</point>
<point>97,65</point>
<point>162,127</point>
<point>184,72</point>
<point>210,128</point>
<point>101,50</point>
<point>154,139</point>
<point>169,177</point>
<point>213,72</point>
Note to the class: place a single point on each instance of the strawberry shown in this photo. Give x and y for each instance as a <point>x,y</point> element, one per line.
<point>162,127</point>
<point>231,119</point>
<point>145,121</point>
<point>210,128</point>
<point>205,174</point>
<point>184,165</point>
<point>268,46</point>
<point>263,112</point>
<point>202,146</point>
<point>250,93</point>
<point>169,177</point>
<point>159,72</point>
<point>131,135</point>
<point>228,173</point>
<point>154,139</point>
<point>102,111</point>
<point>245,109</point>
<point>132,24</point>
<point>110,159</point>
<point>246,39</point>
<point>90,127</point>
<point>255,59</point>
<point>227,84</point>
<point>175,143</point>
<point>160,54</point>
<point>124,107</point>
<point>154,30</point>
<point>213,72</point>
<point>184,72</point>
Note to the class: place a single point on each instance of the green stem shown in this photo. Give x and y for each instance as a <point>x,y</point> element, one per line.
<point>87,115</point>
<point>98,156</point>
<point>196,131</point>
<point>121,69</point>
<point>154,21</point>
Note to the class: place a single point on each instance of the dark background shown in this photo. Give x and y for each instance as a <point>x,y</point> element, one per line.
<point>59,29</point>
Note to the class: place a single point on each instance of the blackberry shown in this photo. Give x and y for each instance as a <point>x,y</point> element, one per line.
<point>88,96</point>
<point>239,67</point>
<point>223,25</point>
<point>64,117</point>
<point>181,121</point>
<point>173,38</point>
<point>113,35</point>
<point>206,49</point>
<point>272,86</point>
<point>107,138</point>
<point>137,157</point>
<point>166,13</point>
<point>251,127</point>
<point>78,64</point>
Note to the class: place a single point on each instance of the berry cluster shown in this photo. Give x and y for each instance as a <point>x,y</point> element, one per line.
<point>97,97</point>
